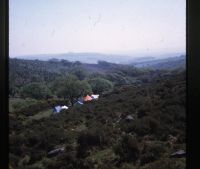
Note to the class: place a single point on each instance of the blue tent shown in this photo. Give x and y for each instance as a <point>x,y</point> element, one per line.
<point>57,109</point>
<point>81,99</point>
<point>78,103</point>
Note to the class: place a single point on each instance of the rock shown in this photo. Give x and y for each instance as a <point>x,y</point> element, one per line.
<point>55,152</point>
<point>178,154</point>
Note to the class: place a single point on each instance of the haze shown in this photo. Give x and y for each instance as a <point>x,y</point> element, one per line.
<point>102,26</point>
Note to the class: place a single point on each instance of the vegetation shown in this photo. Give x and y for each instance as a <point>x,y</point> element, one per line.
<point>35,90</point>
<point>71,88</point>
<point>99,85</point>
<point>97,134</point>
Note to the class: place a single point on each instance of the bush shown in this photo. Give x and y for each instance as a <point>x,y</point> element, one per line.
<point>35,90</point>
<point>92,137</point>
<point>167,164</point>
<point>143,126</point>
<point>33,109</point>
<point>15,142</point>
<point>13,159</point>
<point>36,155</point>
<point>89,138</point>
<point>127,148</point>
<point>99,85</point>
<point>17,105</point>
<point>152,152</point>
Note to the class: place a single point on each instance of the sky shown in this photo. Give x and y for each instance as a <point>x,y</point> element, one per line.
<point>102,26</point>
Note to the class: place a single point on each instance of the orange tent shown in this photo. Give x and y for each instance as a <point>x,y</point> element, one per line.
<point>87,98</point>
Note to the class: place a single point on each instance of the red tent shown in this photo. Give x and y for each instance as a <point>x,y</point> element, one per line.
<point>87,98</point>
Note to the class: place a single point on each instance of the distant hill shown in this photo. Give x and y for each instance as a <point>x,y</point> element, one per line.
<point>166,63</point>
<point>93,58</point>
<point>82,57</point>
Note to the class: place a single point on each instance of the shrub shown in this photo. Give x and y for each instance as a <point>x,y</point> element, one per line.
<point>167,164</point>
<point>100,85</point>
<point>127,148</point>
<point>89,138</point>
<point>152,152</point>
<point>35,90</point>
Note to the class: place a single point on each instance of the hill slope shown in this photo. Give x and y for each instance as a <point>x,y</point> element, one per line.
<point>99,134</point>
<point>167,63</point>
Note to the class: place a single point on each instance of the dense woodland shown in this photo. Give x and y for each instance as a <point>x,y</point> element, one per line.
<point>137,122</point>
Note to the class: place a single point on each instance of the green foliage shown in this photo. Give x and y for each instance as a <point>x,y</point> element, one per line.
<point>127,166</point>
<point>89,132</point>
<point>35,90</point>
<point>100,85</point>
<point>71,88</point>
<point>16,104</point>
<point>85,88</point>
<point>167,163</point>
<point>89,138</point>
<point>152,152</point>
<point>80,72</point>
<point>127,148</point>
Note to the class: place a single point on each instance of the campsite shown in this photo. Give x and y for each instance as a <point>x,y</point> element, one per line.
<point>96,84</point>
<point>117,117</point>
<point>80,101</point>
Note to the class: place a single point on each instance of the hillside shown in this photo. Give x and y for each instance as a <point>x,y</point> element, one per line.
<point>133,126</point>
<point>22,72</point>
<point>166,63</point>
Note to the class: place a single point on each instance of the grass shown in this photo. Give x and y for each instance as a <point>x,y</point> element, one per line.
<point>18,103</point>
<point>42,114</point>
<point>81,127</point>
<point>13,101</point>
<point>103,154</point>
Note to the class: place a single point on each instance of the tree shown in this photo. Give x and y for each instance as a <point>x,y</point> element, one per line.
<point>35,90</point>
<point>71,88</point>
<point>100,85</point>
<point>80,72</point>
<point>85,88</point>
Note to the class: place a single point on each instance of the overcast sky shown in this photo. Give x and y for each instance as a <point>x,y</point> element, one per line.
<point>105,26</point>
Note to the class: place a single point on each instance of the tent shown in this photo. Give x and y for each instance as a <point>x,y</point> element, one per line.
<point>80,99</point>
<point>64,107</point>
<point>95,96</point>
<point>87,98</point>
<point>57,109</point>
<point>78,103</point>
<point>129,117</point>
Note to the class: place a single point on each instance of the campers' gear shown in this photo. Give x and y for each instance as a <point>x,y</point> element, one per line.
<point>95,96</point>
<point>178,154</point>
<point>87,98</point>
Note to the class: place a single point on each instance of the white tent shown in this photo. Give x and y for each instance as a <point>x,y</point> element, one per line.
<point>95,96</point>
<point>64,107</point>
